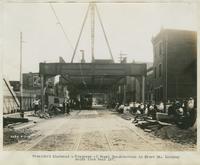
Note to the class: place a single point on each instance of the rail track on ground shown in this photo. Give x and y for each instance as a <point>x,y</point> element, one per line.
<point>50,132</point>
<point>92,130</point>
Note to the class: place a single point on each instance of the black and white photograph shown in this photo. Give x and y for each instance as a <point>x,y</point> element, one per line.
<point>99,76</point>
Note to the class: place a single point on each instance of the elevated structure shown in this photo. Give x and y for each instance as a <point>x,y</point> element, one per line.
<point>92,69</point>
<point>99,76</point>
<point>93,77</point>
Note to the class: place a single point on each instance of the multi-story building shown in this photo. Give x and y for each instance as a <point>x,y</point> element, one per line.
<point>175,65</point>
<point>32,89</point>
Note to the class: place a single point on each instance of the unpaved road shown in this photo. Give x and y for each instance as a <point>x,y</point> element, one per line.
<point>93,130</point>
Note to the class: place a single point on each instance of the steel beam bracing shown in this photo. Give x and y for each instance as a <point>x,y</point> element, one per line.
<point>104,32</point>
<point>79,37</point>
<point>92,7</point>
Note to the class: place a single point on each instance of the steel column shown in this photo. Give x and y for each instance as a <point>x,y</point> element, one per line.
<point>42,92</point>
<point>143,88</point>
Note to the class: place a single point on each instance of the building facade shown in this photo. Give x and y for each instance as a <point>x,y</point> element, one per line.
<point>174,74</point>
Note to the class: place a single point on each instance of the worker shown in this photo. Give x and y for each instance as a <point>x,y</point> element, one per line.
<point>36,105</point>
<point>68,106</point>
<point>64,106</point>
<point>116,106</point>
<point>190,104</point>
<point>161,107</point>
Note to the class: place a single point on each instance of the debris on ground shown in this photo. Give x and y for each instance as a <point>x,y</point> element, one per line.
<point>166,130</point>
<point>52,111</point>
<point>11,135</point>
<point>164,117</point>
<point>41,114</point>
<point>20,126</point>
<point>147,124</point>
<point>176,134</point>
<point>11,120</point>
<point>147,130</point>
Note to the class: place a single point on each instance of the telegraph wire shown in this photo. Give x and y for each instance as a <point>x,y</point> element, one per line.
<point>62,28</point>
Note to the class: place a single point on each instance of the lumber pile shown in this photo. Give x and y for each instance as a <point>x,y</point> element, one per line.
<point>148,124</point>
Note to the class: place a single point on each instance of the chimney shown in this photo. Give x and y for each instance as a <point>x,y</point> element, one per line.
<point>83,56</point>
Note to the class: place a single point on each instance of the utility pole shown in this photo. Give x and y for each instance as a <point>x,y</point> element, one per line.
<point>124,91</point>
<point>21,78</point>
<point>92,10</point>
<point>83,56</point>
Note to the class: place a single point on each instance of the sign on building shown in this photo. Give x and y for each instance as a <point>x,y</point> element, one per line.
<point>36,81</point>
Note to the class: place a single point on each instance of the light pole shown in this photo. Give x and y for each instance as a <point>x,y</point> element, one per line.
<point>21,78</point>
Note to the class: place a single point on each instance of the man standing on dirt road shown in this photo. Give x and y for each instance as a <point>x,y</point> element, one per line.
<point>36,105</point>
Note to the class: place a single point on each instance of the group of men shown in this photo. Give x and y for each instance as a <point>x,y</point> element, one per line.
<point>182,110</point>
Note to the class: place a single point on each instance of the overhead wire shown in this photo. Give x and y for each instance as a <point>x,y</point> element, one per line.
<point>62,28</point>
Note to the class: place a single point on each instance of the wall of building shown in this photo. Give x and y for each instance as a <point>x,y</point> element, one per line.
<point>174,67</point>
<point>182,64</point>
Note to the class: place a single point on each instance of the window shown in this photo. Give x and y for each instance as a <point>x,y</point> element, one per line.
<point>155,72</point>
<point>160,70</point>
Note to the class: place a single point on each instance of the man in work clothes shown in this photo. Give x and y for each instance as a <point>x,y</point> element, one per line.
<point>36,105</point>
<point>68,106</point>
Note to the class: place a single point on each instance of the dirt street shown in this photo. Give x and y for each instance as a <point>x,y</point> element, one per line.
<point>93,130</point>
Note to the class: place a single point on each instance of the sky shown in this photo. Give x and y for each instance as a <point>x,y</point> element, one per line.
<point>129,28</point>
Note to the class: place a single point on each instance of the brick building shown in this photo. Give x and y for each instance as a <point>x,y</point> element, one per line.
<point>174,66</point>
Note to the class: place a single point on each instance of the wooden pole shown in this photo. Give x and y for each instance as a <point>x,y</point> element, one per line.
<point>21,77</point>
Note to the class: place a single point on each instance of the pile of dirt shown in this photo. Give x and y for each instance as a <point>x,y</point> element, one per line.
<point>184,136</point>
<point>166,130</point>
<point>11,136</point>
